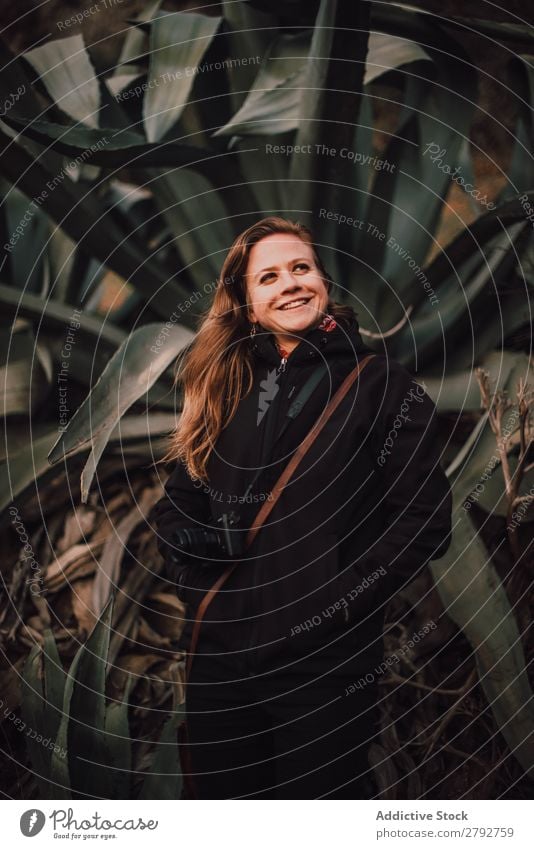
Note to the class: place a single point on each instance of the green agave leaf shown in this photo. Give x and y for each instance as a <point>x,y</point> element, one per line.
<point>423,26</point>
<point>26,262</point>
<point>270,107</point>
<point>369,288</point>
<point>158,447</point>
<point>178,41</point>
<point>502,311</point>
<point>264,174</point>
<point>61,252</point>
<point>475,599</point>
<point>56,317</point>
<point>86,363</point>
<point>398,20</point>
<point>479,233</point>
<point>272,103</point>
<point>466,172</point>
<point>17,93</point>
<point>387,53</point>
<point>329,105</point>
<point>164,781</point>
<point>82,217</point>
<point>461,314</point>
<point>26,466</point>
<point>198,218</point>
<point>525,64</point>
<point>431,93</point>
<point>274,100</point>
<point>82,728</point>
<point>33,701</point>
<point>347,240</point>
<point>248,33</point>
<point>521,170</point>
<point>16,89</point>
<point>514,311</point>
<point>300,12</point>
<point>112,114</point>
<point>98,338</point>
<point>466,258</point>
<point>43,687</point>
<point>130,373</point>
<point>55,680</point>
<point>335,69</point>
<point>25,372</point>
<point>119,743</point>
<point>498,29</point>
<point>143,427</point>
<point>17,435</point>
<point>22,468</point>
<point>65,69</point>
<point>112,147</point>
<point>460,391</point>
<point>121,82</point>
<point>135,43</point>
<point>409,200</point>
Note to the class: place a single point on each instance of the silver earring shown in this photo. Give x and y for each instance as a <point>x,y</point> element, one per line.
<point>252,330</point>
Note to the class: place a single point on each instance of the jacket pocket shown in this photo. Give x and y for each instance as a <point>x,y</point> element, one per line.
<point>362,584</point>
<point>356,588</point>
<point>330,604</point>
<point>338,610</point>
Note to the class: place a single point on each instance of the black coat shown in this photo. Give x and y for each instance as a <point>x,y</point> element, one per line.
<point>367,508</point>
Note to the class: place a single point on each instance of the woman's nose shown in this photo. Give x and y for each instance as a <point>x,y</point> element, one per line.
<point>289,280</point>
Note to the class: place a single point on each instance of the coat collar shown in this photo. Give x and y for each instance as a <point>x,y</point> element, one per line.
<point>317,343</point>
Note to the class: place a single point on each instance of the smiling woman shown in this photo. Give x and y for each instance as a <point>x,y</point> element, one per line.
<point>286,297</point>
<point>273,380</point>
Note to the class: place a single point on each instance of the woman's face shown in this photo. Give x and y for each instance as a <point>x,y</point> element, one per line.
<point>281,269</point>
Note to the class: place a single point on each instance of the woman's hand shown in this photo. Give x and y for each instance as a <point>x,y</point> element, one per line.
<point>183,505</point>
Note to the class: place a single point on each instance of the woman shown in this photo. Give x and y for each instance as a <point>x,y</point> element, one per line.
<point>271,712</point>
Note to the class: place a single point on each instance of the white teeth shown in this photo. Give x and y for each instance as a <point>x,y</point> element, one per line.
<point>294,304</point>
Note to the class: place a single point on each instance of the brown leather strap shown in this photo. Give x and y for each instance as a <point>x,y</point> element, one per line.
<point>268,505</point>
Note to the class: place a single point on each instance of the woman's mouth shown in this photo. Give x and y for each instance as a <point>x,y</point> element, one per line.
<point>293,305</point>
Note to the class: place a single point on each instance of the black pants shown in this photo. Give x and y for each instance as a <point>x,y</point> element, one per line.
<point>297,733</point>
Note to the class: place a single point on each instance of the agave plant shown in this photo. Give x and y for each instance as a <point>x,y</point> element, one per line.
<point>208,123</point>
<point>80,745</point>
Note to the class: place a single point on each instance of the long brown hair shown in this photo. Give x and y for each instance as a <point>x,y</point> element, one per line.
<point>213,370</point>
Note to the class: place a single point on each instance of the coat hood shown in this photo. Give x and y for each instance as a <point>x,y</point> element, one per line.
<point>320,341</point>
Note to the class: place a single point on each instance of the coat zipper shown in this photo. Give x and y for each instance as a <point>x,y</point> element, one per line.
<point>281,370</point>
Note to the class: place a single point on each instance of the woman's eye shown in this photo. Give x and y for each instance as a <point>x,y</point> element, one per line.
<point>267,276</point>
<point>303,265</point>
